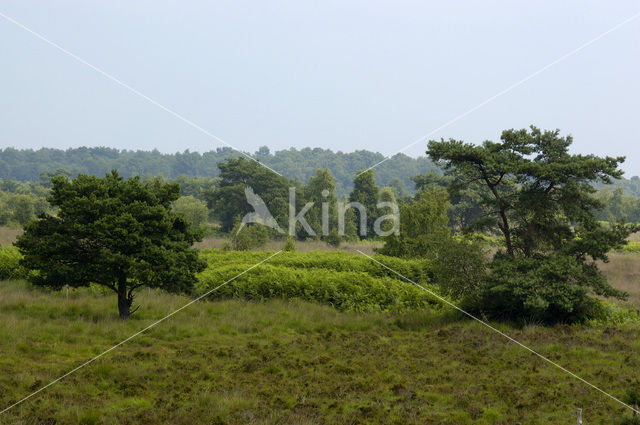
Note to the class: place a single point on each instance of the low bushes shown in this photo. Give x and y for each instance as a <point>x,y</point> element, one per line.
<point>631,247</point>
<point>542,289</point>
<point>418,270</point>
<point>10,263</point>
<point>342,280</point>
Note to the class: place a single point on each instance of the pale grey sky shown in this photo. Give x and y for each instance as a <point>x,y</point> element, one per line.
<point>343,75</point>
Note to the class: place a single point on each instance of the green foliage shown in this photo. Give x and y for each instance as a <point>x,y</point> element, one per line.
<point>289,245</point>
<point>540,198</point>
<point>423,226</point>
<point>204,365</point>
<point>631,247</point>
<point>120,234</point>
<point>28,165</point>
<point>10,267</point>
<point>630,420</point>
<point>229,201</point>
<point>466,200</point>
<point>459,264</point>
<point>321,190</point>
<point>611,314</point>
<point>541,289</point>
<point>244,238</point>
<point>198,187</point>
<point>365,192</point>
<point>460,267</point>
<point>333,238</point>
<point>632,395</point>
<point>193,210</point>
<point>616,206</point>
<point>344,281</point>
<point>418,270</point>
<point>18,209</point>
<point>349,284</point>
<point>632,398</point>
<point>398,188</point>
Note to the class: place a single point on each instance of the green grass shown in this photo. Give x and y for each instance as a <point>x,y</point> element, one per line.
<point>294,362</point>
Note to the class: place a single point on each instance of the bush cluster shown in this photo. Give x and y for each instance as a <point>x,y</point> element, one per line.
<point>344,281</point>
<point>10,264</point>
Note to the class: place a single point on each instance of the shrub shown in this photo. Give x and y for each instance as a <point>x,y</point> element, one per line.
<point>289,245</point>
<point>460,267</point>
<point>333,239</point>
<point>356,291</point>
<point>10,267</point>
<point>249,237</point>
<point>541,289</point>
<point>424,226</point>
<point>418,270</point>
<point>193,210</point>
<point>342,280</point>
<point>611,314</point>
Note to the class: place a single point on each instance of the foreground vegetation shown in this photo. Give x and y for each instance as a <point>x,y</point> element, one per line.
<point>293,362</point>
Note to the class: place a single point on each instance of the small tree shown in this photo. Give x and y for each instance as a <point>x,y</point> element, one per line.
<point>247,237</point>
<point>423,226</point>
<point>120,234</point>
<point>458,265</point>
<point>193,210</point>
<point>366,191</point>
<point>321,191</point>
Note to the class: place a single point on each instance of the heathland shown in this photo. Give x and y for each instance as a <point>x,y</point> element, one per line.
<point>281,360</point>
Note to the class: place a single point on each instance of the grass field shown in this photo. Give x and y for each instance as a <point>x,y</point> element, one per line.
<point>296,362</point>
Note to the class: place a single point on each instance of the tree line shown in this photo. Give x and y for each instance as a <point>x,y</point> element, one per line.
<point>22,201</point>
<point>26,165</point>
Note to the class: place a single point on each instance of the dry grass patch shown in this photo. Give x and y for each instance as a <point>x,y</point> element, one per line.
<point>8,235</point>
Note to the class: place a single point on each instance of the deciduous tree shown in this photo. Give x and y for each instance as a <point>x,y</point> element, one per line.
<point>120,234</point>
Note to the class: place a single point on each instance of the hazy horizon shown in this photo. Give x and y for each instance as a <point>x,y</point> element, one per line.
<point>370,76</point>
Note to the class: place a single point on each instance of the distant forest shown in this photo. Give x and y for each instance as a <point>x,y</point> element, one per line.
<point>27,165</point>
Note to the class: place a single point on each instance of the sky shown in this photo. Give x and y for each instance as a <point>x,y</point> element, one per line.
<point>341,75</point>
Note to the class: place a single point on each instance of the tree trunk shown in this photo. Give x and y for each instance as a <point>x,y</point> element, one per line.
<point>124,302</point>
<point>506,231</point>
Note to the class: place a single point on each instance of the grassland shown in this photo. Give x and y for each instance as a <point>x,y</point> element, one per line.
<point>293,362</point>
<point>228,361</point>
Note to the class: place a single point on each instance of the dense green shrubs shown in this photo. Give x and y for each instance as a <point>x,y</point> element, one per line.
<point>344,281</point>
<point>420,271</point>
<point>542,289</point>
<point>244,238</point>
<point>10,263</point>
